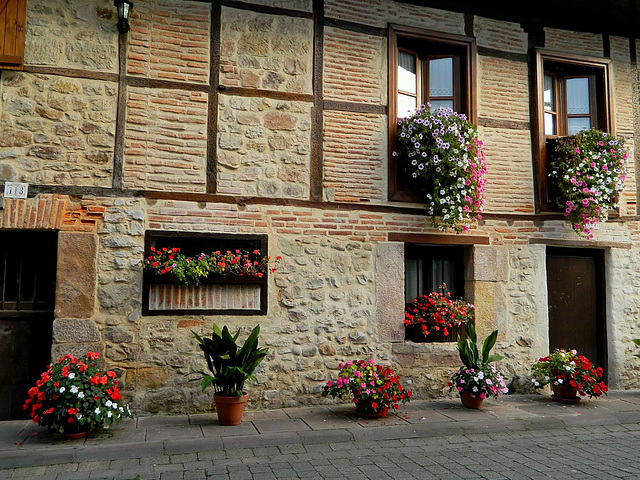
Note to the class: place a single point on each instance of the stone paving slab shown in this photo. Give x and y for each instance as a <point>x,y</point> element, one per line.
<point>159,446</point>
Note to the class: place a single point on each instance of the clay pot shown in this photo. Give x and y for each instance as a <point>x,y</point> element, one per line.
<point>470,402</point>
<point>230,409</point>
<point>565,393</point>
<point>364,409</point>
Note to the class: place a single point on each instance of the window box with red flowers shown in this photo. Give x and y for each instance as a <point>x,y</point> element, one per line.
<point>205,274</point>
<point>437,317</point>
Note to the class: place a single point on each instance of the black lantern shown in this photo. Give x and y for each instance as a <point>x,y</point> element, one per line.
<point>124,10</point>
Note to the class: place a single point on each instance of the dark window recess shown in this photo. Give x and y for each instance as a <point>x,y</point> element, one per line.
<point>225,294</point>
<point>424,67</point>
<point>428,267</point>
<point>573,95</point>
<point>27,273</point>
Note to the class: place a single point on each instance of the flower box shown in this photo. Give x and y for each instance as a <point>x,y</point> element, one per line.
<point>414,333</point>
<point>237,295</point>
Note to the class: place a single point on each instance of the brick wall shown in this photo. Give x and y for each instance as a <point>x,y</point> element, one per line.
<point>505,36</point>
<point>355,152</point>
<point>504,89</point>
<point>355,67</point>
<point>170,40</point>
<point>165,140</point>
<point>579,43</point>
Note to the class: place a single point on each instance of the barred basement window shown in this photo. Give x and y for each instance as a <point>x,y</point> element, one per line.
<point>216,294</point>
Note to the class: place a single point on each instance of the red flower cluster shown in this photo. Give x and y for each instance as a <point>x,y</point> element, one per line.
<point>74,393</point>
<point>567,366</point>
<point>191,270</point>
<point>368,382</point>
<point>437,311</point>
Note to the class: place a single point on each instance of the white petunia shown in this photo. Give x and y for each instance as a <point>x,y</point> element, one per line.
<point>72,376</point>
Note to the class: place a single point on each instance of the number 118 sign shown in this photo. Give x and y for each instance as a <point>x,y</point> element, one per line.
<point>15,190</point>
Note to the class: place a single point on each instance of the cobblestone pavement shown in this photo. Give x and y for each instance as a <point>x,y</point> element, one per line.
<point>516,437</point>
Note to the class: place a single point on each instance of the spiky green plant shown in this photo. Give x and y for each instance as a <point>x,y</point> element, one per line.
<point>229,366</point>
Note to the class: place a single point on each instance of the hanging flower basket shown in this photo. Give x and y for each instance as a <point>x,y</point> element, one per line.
<point>445,160</point>
<point>589,172</point>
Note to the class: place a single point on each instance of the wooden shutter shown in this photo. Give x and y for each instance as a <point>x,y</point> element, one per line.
<point>12,23</point>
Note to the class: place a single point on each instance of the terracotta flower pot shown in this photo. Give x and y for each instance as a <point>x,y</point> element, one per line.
<point>565,393</point>
<point>470,402</point>
<point>230,409</point>
<point>364,409</point>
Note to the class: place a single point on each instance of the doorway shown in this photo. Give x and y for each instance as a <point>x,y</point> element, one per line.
<point>28,262</point>
<point>575,288</point>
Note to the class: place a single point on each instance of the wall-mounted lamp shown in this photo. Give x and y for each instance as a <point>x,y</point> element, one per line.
<point>124,10</point>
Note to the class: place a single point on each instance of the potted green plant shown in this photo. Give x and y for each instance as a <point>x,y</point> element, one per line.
<point>588,170</point>
<point>637,342</point>
<point>74,397</point>
<point>477,378</point>
<point>230,366</point>
<point>569,374</point>
<point>436,313</point>
<point>375,388</point>
<point>445,161</point>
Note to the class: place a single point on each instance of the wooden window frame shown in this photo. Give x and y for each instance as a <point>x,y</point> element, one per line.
<point>174,239</point>
<point>601,109</point>
<point>444,45</point>
<point>13,14</point>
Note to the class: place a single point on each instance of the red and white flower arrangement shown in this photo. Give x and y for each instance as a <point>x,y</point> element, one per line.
<point>375,388</point>
<point>74,395</point>
<point>568,367</point>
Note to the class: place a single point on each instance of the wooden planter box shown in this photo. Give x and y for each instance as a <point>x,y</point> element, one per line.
<point>414,333</point>
<point>233,295</point>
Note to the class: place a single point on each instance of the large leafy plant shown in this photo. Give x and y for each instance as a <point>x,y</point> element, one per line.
<point>477,375</point>
<point>445,160</point>
<point>230,366</point>
<point>589,172</point>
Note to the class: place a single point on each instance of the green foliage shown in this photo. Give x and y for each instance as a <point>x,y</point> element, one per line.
<point>637,342</point>
<point>229,366</point>
<point>468,349</point>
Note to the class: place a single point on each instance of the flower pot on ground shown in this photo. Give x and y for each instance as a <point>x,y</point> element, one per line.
<point>477,378</point>
<point>229,368</point>
<point>444,159</point>
<point>75,397</point>
<point>437,317</point>
<point>588,171</point>
<point>375,388</point>
<point>568,368</point>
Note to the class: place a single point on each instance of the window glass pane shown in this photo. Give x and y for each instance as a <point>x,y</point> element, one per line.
<point>436,104</point>
<point>549,100</point>
<point>406,105</point>
<point>578,96</point>
<point>577,124</point>
<point>549,124</point>
<point>441,77</point>
<point>413,279</point>
<point>407,72</point>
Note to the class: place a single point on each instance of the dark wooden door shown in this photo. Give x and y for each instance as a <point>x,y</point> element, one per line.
<point>27,299</point>
<point>576,302</point>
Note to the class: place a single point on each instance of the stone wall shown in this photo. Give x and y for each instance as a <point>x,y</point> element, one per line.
<point>338,292</point>
<point>56,130</point>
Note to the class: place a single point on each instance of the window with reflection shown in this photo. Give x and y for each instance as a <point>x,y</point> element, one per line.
<point>424,67</point>
<point>573,97</point>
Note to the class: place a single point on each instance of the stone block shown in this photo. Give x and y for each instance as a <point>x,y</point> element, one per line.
<point>72,330</point>
<point>76,281</point>
<point>389,280</point>
<point>491,308</point>
<point>489,264</point>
